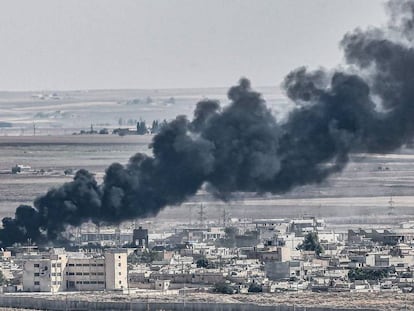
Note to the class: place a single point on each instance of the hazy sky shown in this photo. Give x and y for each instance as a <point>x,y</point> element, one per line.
<point>86,44</point>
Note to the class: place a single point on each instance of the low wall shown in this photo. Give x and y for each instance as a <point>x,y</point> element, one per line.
<point>42,303</point>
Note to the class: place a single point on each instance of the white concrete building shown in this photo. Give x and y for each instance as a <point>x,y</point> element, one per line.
<point>69,271</point>
<point>116,269</point>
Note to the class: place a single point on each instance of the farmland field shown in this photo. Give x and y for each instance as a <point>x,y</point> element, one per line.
<point>359,194</point>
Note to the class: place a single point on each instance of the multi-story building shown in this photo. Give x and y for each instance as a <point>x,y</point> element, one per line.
<point>69,271</point>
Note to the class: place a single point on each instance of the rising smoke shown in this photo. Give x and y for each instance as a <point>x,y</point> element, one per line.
<point>243,148</point>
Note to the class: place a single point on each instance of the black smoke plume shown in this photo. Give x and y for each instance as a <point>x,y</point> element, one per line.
<point>243,148</point>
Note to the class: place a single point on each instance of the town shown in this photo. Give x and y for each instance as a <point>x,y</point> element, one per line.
<point>236,256</point>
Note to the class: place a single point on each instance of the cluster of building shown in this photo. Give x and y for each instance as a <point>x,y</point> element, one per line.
<point>262,255</point>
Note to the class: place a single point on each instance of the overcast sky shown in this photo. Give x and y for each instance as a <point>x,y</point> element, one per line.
<point>88,44</point>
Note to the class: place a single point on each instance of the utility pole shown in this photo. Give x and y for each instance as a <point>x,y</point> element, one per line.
<point>79,235</point>
<point>391,203</point>
<point>201,215</point>
<point>118,235</point>
<point>225,217</point>
<point>99,233</point>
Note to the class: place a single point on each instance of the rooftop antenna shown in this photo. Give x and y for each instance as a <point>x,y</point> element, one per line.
<point>34,128</point>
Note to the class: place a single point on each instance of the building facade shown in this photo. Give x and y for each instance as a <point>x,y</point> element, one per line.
<point>66,271</point>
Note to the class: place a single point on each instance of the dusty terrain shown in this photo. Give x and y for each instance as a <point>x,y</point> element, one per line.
<point>360,194</point>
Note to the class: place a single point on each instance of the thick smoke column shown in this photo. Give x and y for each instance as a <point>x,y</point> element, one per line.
<point>243,148</point>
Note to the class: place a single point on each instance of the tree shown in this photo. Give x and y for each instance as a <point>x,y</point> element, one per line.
<point>311,243</point>
<point>3,280</point>
<point>223,288</point>
<point>141,128</point>
<point>202,263</point>
<point>255,288</point>
<point>155,128</point>
<point>368,274</point>
<point>147,256</point>
<point>16,169</point>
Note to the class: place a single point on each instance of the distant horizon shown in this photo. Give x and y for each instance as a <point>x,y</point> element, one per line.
<point>136,89</point>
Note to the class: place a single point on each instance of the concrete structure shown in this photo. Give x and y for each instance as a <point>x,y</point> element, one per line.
<point>385,236</point>
<point>302,226</point>
<point>140,237</point>
<point>275,253</point>
<point>107,237</point>
<point>116,269</point>
<point>66,271</point>
<point>283,270</point>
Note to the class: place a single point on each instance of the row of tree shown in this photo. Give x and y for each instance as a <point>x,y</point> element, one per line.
<point>155,128</point>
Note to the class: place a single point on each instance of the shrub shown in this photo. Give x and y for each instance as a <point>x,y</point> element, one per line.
<point>223,288</point>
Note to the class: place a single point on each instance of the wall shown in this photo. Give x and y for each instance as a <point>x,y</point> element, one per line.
<point>53,304</point>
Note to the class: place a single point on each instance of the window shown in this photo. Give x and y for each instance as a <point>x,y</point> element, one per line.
<point>59,265</point>
<point>120,282</point>
<point>100,282</point>
<point>100,273</point>
<point>93,265</point>
<point>36,265</point>
<point>71,265</point>
<point>59,274</point>
<point>78,265</point>
<point>86,273</point>
<point>100,264</point>
<point>119,264</point>
<point>85,265</point>
<point>119,273</point>
<point>85,282</point>
<point>36,283</point>
<point>36,274</point>
<point>93,282</point>
<point>71,273</point>
<point>78,273</point>
<point>93,273</point>
<point>119,257</point>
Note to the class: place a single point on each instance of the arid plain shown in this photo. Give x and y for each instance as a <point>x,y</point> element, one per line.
<point>41,136</point>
